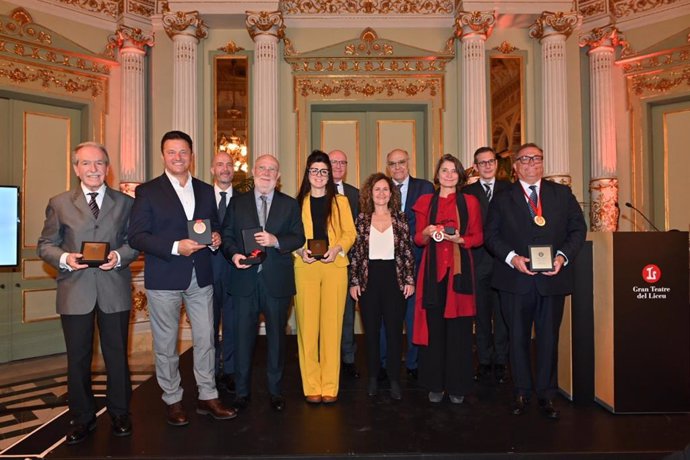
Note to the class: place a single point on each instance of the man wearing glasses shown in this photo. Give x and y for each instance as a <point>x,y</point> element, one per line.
<point>533,283</point>
<point>398,167</point>
<point>265,288</point>
<point>490,327</point>
<point>348,346</point>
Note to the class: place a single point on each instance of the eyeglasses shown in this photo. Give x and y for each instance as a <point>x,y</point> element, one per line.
<point>536,159</point>
<point>318,172</point>
<point>394,164</point>
<point>339,162</point>
<point>486,162</point>
<point>269,169</point>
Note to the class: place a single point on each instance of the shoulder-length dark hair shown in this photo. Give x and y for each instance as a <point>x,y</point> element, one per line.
<point>366,200</point>
<point>317,156</point>
<point>462,175</point>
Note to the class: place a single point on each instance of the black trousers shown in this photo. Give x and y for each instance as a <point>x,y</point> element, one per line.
<point>491,328</point>
<point>446,362</point>
<point>545,313</point>
<point>113,331</point>
<point>382,298</point>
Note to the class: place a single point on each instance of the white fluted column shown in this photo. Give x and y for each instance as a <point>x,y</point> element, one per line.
<point>473,29</point>
<point>552,30</point>
<point>603,187</point>
<point>185,29</point>
<point>132,43</point>
<point>266,28</point>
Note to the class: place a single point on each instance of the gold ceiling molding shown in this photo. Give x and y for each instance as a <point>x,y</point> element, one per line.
<point>623,8</point>
<point>553,23</point>
<point>353,87</point>
<point>367,54</point>
<point>673,54</point>
<point>646,85</point>
<point>23,74</point>
<point>110,8</point>
<point>143,8</point>
<point>367,7</point>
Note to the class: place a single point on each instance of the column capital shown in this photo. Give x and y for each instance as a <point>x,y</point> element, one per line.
<point>132,38</point>
<point>188,23</point>
<point>607,36</point>
<point>474,23</point>
<point>265,23</point>
<point>558,23</point>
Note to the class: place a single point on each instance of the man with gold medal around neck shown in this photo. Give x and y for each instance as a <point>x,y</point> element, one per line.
<point>531,212</point>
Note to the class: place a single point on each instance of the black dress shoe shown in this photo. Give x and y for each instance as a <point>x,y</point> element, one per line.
<point>483,371</point>
<point>79,431</point>
<point>383,375</point>
<point>396,391</point>
<point>241,402</point>
<point>546,406</point>
<point>226,382</point>
<point>350,369</point>
<point>412,373</point>
<point>122,425</point>
<point>277,403</point>
<point>519,405</point>
<point>500,373</point>
<point>372,387</point>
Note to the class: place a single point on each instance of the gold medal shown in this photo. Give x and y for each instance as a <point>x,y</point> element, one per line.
<point>199,227</point>
<point>539,220</point>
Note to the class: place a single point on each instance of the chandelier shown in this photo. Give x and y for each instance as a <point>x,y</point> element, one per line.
<point>236,149</point>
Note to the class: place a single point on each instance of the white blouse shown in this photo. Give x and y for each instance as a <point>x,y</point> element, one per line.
<point>381,244</point>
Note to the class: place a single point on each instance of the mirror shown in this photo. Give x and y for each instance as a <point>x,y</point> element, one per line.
<point>506,87</point>
<point>231,111</point>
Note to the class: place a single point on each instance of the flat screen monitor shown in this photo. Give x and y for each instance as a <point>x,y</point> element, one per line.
<point>10,221</point>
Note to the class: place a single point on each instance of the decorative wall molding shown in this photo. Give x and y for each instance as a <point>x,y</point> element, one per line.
<point>185,23</point>
<point>370,87</point>
<point>604,211</point>
<point>506,48</point>
<point>552,23</point>
<point>131,37</point>
<point>110,10</point>
<point>231,48</point>
<point>265,23</point>
<point>367,7</point>
<point>626,10</point>
<point>608,35</point>
<point>474,23</point>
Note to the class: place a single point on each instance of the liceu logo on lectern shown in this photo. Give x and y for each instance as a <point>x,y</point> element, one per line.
<point>651,274</point>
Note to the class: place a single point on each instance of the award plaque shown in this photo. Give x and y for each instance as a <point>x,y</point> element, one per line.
<point>317,248</point>
<point>541,258</point>
<point>200,231</point>
<point>94,253</point>
<point>254,252</point>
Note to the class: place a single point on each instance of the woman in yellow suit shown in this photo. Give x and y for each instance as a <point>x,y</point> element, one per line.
<point>321,279</point>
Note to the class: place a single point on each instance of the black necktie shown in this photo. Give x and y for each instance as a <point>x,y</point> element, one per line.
<point>222,206</point>
<point>263,215</point>
<point>533,200</point>
<point>93,205</point>
<point>487,189</point>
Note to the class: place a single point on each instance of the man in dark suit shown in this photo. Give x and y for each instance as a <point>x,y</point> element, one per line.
<point>178,269</point>
<point>92,212</point>
<point>533,212</point>
<point>348,345</point>
<point>398,165</point>
<point>490,327</point>
<point>222,170</point>
<point>264,288</point>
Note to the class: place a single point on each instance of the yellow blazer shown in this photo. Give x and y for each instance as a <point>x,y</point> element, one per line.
<point>341,229</point>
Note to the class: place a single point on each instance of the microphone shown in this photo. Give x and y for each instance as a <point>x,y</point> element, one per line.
<point>642,214</point>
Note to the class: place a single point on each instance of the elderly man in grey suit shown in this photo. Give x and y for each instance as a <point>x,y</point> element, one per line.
<point>92,212</point>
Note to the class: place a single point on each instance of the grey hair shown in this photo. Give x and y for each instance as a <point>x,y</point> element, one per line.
<point>100,147</point>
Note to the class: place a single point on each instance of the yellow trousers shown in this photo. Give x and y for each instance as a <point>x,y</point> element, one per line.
<point>319,308</point>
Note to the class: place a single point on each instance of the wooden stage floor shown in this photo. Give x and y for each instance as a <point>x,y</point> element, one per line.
<point>359,426</point>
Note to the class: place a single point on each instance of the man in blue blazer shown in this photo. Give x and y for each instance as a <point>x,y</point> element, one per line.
<point>398,165</point>
<point>533,212</point>
<point>177,270</point>
<point>490,326</point>
<point>264,288</point>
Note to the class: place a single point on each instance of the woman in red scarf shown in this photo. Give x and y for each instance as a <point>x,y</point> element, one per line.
<point>449,223</point>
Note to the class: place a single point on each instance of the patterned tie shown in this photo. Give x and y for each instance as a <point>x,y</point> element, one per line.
<point>263,215</point>
<point>533,200</point>
<point>487,189</point>
<point>93,205</point>
<point>402,205</point>
<point>222,206</point>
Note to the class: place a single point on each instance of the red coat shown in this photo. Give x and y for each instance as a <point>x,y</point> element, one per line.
<point>456,304</point>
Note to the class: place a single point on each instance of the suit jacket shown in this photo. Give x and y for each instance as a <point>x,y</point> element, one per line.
<point>352,194</point>
<point>341,229</point>
<point>69,221</point>
<point>415,189</point>
<point>158,220</point>
<point>510,228</point>
<point>482,258</point>
<point>284,222</point>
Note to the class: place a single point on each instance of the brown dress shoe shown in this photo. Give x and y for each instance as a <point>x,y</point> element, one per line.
<point>313,399</point>
<point>176,415</point>
<point>329,399</point>
<point>215,409</point>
